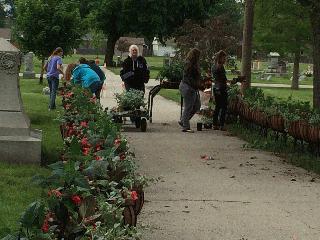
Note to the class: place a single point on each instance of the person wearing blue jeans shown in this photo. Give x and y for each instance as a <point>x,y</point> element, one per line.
<point>54,69</point>
<point>53,84</point>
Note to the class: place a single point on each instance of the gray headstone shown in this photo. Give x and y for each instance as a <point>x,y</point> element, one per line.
<point>17,144</point>
<point>29,71</point>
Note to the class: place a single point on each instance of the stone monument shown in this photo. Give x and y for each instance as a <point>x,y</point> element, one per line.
<point>17,142</point>
<point>28,62</point>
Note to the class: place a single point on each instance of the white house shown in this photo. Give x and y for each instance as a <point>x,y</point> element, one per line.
<point>160,49</point>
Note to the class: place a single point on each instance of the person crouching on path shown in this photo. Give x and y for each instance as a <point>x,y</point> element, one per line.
<point>220,91</point>
<point>84,75</point>
<point>94,67</point>
<point>189,88</point>
<point>135,72</point>
<point>54,68</point>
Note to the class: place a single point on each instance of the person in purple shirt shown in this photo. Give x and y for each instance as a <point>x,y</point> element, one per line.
<point>54,69</point>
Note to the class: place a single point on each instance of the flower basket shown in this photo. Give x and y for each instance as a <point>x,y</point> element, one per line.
<point>314,134</point>
<point>276,123</point>
<point>140,201</point>
<point>304,130</point>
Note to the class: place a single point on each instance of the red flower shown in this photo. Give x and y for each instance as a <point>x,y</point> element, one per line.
<point>117,142</point>
<point>98,158</point>
<point>134,195</point>
<point>84,141</point>
<point>76,199</point>
<point>122,156</point>
<point>84,124</point>
<point>45,226</point>
<point>85,151</point>
<point>55,193</point>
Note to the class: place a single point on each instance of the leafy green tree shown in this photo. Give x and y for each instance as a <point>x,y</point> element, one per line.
<point>282,26</point>
<point>313,11</point>
<point>148,18</point>
<point>43,25</point>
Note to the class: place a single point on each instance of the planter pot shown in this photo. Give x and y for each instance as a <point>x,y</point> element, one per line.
<point>207,125</point>
<point>314,134</point>
<point>304,130</point>
<point>199,126</point>
<point>138,204</point>
<point>276,123</point>
<point>129,216</point>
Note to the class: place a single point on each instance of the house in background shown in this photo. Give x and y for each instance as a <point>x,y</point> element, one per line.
<point>5,33</point>
<point>86,46</point>
<point>123,44</point>
<point>166,49</point>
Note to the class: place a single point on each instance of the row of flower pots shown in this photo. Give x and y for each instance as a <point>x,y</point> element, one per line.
<point>298,129</point>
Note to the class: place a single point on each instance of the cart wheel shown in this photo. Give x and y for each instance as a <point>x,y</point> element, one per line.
<point>143,124</point>
<point>137,121</point>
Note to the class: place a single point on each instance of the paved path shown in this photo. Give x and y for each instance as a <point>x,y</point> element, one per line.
<point>236,194</point>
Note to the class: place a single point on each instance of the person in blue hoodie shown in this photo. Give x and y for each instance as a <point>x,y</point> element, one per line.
<point>84,75</point>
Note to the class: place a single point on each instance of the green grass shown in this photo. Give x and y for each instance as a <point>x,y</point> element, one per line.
<point>16,193</point>
<point>36,107</point>
<point>171,94</point>
<point>284,93</point>
<point>16,190</point>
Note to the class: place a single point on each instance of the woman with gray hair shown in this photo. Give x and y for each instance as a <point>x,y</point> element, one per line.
<point>135,72</point>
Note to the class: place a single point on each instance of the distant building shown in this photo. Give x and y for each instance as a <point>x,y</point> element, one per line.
<point>166,49</point>
<point>140,42</point>
<point>86,46</point>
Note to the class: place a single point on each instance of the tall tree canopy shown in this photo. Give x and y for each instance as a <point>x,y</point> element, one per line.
<point>43,25</point>
<point>149,18</point>
<point>282,26</point>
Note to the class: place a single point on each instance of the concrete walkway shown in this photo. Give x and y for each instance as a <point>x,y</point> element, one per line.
<point>230,193</point>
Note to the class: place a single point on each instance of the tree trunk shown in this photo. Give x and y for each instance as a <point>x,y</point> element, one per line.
<point>247,43</point>
<point>315,23</point>
<point>108,59</point>
<point>295,77</point>
<point>42,71</point>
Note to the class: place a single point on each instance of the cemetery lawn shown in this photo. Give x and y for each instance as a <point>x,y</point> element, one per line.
<point>36,107</point>
<point>283,93</point>
<point>16,189</point>
<point>16,193</point>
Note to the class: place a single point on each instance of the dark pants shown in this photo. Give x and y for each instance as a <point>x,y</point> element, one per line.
<point>95,88</point>
<point>53,83</point>
<point>221,98</point>
<point>191,103</point>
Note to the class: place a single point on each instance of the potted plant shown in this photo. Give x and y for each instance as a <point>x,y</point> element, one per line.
<point>171,75</point>
<point>130,100</point>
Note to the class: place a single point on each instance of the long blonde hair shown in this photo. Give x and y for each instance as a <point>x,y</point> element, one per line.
<point>69,70</point>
